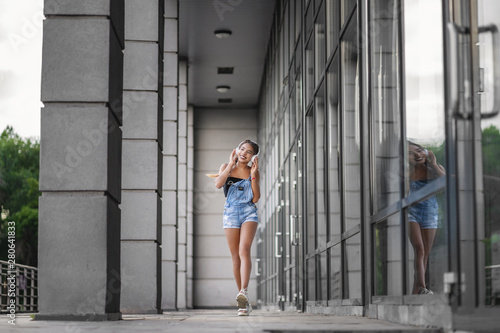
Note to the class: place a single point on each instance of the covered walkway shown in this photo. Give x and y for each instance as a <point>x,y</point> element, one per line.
<point>217,321</point>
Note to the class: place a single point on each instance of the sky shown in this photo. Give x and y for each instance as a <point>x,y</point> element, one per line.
<point>20,65</point>
<point>21,50</point>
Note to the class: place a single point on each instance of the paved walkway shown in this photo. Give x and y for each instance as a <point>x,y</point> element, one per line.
<point>216,321</point>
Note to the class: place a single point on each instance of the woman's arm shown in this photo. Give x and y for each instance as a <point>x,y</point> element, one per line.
<point>437,168</point>
<point>225,170</point>
<point>255,180</point>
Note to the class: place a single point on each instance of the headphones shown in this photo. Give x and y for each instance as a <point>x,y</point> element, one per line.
<point>253,157</point>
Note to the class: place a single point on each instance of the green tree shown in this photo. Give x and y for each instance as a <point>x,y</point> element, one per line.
<point>19,170</point>
<point>491,151</point>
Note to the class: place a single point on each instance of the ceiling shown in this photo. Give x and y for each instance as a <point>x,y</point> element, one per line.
<point>250,22</point>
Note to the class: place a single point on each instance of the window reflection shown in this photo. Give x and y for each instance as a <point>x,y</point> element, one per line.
<point>385,107</point>
<point>424,148</point>
<point>387,256</point>
<point>423,217</point>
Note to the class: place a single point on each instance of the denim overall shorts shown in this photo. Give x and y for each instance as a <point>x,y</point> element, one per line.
<point>239,207</point>
<point>425,212</point>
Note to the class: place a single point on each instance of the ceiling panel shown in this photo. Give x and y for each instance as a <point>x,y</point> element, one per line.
<point>245,50</point>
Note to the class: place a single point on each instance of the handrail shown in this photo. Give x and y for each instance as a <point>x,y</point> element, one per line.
<point>496,69</point>
<point>26,291</point>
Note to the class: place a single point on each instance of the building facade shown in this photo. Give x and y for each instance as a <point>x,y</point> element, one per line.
<point>339,94</point>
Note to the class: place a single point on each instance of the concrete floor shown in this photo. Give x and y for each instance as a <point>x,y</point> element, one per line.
<point>216,321</point>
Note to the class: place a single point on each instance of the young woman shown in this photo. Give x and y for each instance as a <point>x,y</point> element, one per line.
<point>423,216</point>
<point>242,190</point>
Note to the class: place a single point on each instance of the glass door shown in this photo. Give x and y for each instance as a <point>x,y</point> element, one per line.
<point>472,99</point>
<point>489,67</point>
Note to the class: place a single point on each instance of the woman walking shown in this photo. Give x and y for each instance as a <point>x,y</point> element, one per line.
<point>242,191</point>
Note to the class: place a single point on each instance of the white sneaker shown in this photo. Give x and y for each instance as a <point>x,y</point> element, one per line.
<point>242,299</point>
<point>246,310</point>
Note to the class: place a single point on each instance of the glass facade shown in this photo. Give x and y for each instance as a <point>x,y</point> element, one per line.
<point>360,197</point>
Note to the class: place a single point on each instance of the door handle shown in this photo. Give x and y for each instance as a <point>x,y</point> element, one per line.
<point>452,70</point>
<point>257,268</point>
<point>276,239</point>
<point>496,69</point>
<point>293,238</point>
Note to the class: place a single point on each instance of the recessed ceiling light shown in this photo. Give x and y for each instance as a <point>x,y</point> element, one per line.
<point>222,33</point>
<point>223,89</point>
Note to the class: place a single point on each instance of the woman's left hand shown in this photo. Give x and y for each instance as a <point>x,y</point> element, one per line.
<point>431,158</point>
<point>254,171</point>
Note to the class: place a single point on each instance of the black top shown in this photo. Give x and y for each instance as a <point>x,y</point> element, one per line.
<point>230,181</point>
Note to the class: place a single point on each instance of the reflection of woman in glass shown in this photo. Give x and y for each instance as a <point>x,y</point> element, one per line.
<point>423,216</point>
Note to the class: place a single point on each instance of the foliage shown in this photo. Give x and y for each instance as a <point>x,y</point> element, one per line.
<point>19,170</point>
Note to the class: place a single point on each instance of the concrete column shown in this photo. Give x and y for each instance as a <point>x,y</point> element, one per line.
<point>170,158</point>
<point>142,151</point>
<point>80,161</point>
<point>189,209</point>
<point>182,127</point>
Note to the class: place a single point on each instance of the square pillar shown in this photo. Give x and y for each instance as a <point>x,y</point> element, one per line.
<point>141,206</point>
<point>80,161</point>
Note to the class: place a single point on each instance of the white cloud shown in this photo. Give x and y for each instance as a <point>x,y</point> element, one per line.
<point>20,65</point>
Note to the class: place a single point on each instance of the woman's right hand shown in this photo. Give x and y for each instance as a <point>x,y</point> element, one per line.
<point>233,158</point>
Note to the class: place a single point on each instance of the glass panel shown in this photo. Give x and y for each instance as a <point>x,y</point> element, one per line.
<point>291,28</point>
<point>293,113</point>
<point>351,134</point>
<point>352,267</point>
<point>293,204</point>
<point>298,86</point>
<point>332,25</point>
<point>319,42</point>
<point>346,7</point>
<point>425,144</point>
<point>298,18</point>
<point>491,157</point>
<point>387,256</point>
<point>310,183</point>
<point>310,83</point>
<point>286,213</point>
<point>286,41</point>
<point>424,72</point>
<point>309,20</point>
<point>385,92</point>
<point>320,168</point>
<point>311,279</point>
<point>322,273</point>
<point>333,152</point>
<point>335,272</point>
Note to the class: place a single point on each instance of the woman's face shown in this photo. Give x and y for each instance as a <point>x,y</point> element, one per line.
<point>245,153</point>
<point>416,154</point>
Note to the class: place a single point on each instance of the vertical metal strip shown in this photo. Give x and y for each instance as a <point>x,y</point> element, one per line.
<point>451,179</point>
<point>402,146</point>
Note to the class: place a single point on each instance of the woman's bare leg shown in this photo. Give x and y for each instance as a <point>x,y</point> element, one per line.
<point>233,240</point>
<point>419,253</point>
<point>428,239</point>
<point>247,234</point>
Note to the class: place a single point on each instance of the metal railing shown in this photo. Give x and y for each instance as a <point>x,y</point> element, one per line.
<point>26,293</point>
<point>492,285</point>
